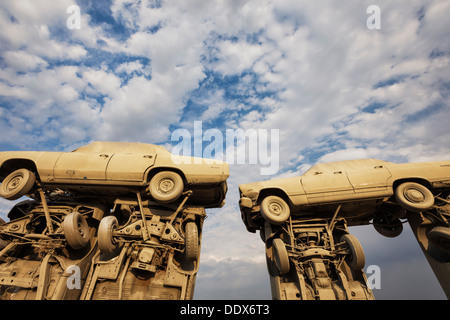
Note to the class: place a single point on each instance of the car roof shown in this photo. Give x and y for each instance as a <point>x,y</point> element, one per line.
<point>346,165</point>
<point>119,147</point>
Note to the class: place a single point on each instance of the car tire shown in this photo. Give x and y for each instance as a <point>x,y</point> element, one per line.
<point>440,237</point>
<point>17,184</point>
<point>76,230</point>
<point>275,210</point>
<point>356,259</point>
<point>106,243</point>
<point>191,241</point>
<point>166,186</point>
<point>414,197</point>
<point>280,255</point>
<point>388,228</point>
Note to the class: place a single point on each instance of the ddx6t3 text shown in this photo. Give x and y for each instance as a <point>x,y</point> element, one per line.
<point>246,309</point>
<point>235,309</point>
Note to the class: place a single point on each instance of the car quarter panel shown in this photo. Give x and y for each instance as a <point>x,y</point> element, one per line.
<point>433,172</point>
<point>195,170</point>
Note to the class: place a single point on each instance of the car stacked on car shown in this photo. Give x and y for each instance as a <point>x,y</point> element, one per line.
<point>113,220</point>
<point>109,220</point>
<point>303,221</point>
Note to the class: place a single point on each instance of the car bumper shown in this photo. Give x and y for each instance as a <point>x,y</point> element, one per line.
<point>248,214</point>
<point>245,202</point>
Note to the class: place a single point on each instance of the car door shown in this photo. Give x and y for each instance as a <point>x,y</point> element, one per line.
<point>81,166</point>
<point>370,181</point>
<point>129,166</point>
<point>326,186</point>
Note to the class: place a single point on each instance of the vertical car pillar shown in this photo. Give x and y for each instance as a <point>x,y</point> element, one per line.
<point>439,261</point>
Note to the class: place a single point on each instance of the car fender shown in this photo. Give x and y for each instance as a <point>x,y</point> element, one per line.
<point>194,170</point>
<point>291,188</point>
<point>41,162</point>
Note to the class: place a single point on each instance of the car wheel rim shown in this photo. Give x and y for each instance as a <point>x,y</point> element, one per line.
<point>106,229</point>
<point>14,183</point>
<point>76,230</point>
<point>111,230</point>
<point>414,195</point>
<point>166,185</point>
<point>80,227</point>
<point>275,208</point>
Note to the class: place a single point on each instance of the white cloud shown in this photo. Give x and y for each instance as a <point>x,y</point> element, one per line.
<point>232,280</point>
<point>102,81</point>
<point>143,109</point>
<point>131,67</point>
<point>23,61</point>
<point>26,28</point>
<point>236,57</point>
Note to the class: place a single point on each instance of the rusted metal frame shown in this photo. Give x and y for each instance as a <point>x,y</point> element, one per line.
<point>291,232</point>
<point>443,200</point>
<point>122,276</point>
<point>44,276</point>
<point>46,211</point>
<point>332,222</point>
<point>145,234</point>
<point>90,279</point>
<point>10,246</point>
<point>187,194</point>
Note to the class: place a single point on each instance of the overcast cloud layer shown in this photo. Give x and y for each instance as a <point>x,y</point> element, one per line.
<point>335,89</point>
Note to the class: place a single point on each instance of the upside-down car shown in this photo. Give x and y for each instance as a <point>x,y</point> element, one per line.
<point>112,169</point>
<point>359,186</point>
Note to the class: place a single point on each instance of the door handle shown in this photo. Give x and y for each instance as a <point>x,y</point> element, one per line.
<point>104,155</point>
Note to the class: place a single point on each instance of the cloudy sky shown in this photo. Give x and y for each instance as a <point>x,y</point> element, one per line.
<point>334,88</point>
